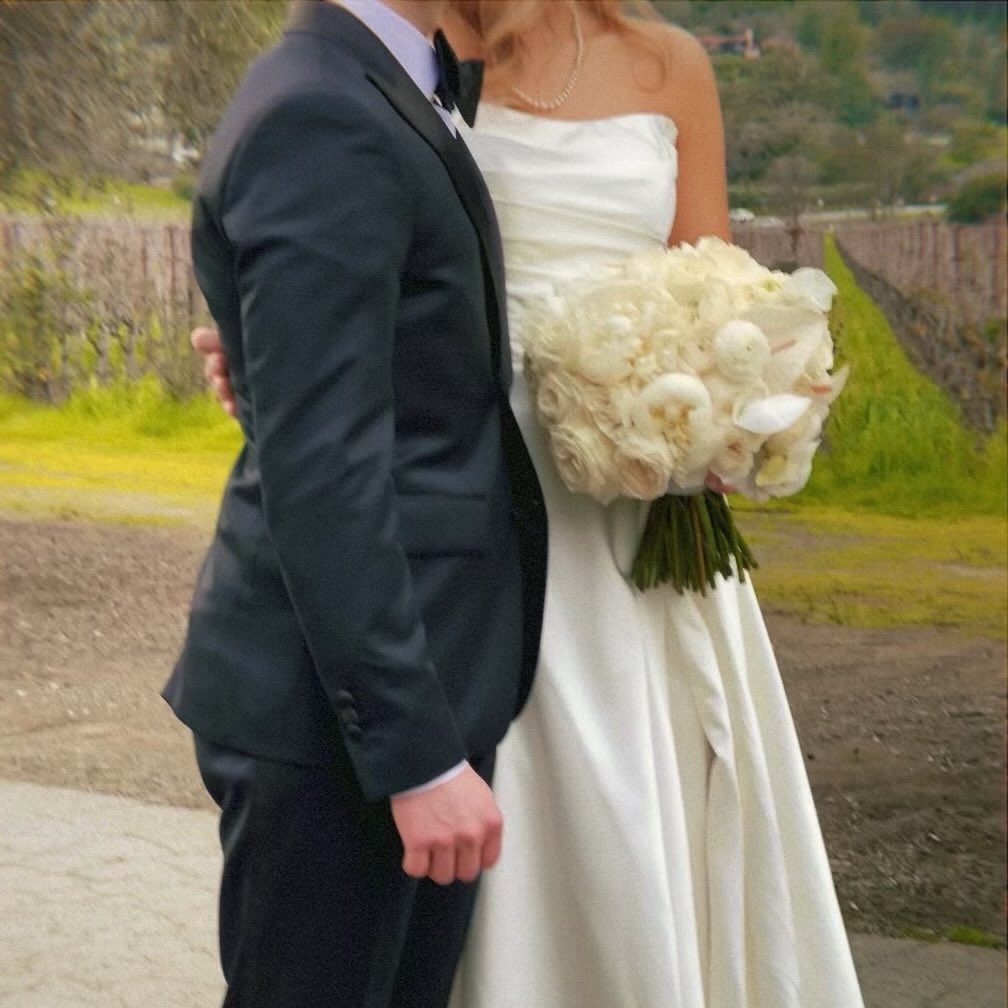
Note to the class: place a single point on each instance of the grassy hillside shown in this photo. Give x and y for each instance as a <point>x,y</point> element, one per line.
<point>894,442</point>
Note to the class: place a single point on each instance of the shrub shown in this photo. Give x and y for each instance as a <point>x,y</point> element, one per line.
<point>69,319</point>
<point>978,199</point>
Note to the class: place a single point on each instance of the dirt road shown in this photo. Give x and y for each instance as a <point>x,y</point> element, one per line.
<point>902,729</point>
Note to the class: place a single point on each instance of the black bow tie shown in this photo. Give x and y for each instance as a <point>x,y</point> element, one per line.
<point>460,82</point>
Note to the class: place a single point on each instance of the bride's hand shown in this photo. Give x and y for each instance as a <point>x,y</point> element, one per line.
<point>207,342</point>
<point>718,485</point>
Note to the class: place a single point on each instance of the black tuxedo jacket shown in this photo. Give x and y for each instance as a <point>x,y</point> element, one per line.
<point>376,575</point>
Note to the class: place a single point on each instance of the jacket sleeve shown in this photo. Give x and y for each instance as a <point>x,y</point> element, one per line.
<point>319,223</point>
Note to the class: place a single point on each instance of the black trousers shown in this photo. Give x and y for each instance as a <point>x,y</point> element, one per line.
<point>315,909</point>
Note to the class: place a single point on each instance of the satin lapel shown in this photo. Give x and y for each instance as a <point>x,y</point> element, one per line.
<point>495,255</point>
<point>466,179</point>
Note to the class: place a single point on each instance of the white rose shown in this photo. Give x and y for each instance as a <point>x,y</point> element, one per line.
<point>609,408</point>
<point>643,471</point>
<point>603,364</point>
<point>549,337</point>
<point>557,395</point>
<point>585,459</point>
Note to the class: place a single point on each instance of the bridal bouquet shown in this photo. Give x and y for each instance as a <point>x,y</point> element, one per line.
<point>676,364</point>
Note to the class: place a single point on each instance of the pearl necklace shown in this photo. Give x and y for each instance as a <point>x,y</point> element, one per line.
<point>554,103</point>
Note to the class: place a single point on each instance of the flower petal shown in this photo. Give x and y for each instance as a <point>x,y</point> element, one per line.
<point>772,414</point>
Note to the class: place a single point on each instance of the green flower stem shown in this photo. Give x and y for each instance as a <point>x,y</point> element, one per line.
<point>699,550</point>
<point>688,541</point>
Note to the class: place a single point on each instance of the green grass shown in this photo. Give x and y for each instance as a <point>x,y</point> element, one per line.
<point>902,524</point>
<point>858,569</point>
<point>960,934</point>
<point>894,441</point>
<point>32,190</point>
<point>133,454</point>
<point>128,453</point>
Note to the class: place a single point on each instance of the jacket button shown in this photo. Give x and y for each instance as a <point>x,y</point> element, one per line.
<point>343,698</point>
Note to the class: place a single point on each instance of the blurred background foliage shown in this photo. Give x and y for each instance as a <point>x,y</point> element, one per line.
<point>828,106</point>
<point>857,104</point>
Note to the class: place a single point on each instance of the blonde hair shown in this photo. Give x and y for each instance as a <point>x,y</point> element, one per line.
<point>501,27</point>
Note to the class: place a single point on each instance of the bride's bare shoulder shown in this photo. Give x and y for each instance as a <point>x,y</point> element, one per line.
<point>686,89</point>
<point>685,57</point>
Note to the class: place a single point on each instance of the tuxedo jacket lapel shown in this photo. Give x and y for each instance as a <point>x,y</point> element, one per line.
<point>468,183</point>
<point>386,74</point>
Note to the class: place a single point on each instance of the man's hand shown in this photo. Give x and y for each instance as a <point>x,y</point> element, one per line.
<point>215,369</point>
<point>450,831</point>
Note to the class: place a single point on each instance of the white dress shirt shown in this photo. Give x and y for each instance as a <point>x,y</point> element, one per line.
<point>413,50</point>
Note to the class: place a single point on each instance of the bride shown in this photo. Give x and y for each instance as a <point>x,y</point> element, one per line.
<point>661,846</point>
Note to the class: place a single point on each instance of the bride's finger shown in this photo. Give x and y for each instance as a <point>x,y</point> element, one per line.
<point>215,364</point>
<point>204,339</point>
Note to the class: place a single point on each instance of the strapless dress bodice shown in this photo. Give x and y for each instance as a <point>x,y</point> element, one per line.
<point>571,195</point>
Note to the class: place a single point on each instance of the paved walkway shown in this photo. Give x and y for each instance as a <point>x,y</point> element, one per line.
<point>109,903</point>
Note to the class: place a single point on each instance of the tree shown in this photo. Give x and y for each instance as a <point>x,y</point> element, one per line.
<point>206,48</point>
<point>924,44</point>
<point>975,140</point>
<point>897,165</point>
<point>789,181</point>
<point>74,81</point>
<point>835,32</point>
<point>94,87</point>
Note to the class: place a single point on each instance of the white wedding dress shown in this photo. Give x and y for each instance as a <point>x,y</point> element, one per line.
<point>661,848</point>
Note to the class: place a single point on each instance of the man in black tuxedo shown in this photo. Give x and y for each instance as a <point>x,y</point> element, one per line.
<point>366,621</point>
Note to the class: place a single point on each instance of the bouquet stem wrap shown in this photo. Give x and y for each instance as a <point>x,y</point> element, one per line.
<point>688,541</point>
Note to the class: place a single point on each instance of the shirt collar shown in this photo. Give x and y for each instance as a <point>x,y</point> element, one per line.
<point>411,48</point>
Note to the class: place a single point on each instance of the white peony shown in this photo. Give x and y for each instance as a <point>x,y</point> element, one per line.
<point>741,351</point>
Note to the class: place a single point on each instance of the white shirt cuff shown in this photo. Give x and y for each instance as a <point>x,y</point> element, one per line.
<point>440,779</point>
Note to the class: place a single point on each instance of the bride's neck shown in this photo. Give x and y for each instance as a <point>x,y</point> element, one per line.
<point>539,44</point>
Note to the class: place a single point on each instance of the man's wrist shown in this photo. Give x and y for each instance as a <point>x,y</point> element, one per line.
<point>440,779</point>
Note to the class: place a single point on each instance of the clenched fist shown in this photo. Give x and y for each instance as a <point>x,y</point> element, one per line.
<point>449,831</point>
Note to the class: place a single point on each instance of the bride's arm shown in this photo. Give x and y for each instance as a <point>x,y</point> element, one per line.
<point>701,188</point>
<point>701,184</point>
